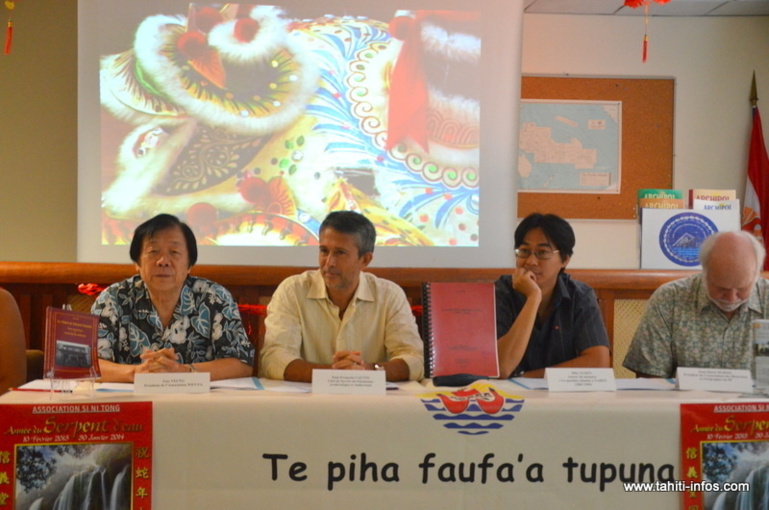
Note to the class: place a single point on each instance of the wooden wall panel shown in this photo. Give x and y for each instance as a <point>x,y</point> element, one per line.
<point>39,285</point>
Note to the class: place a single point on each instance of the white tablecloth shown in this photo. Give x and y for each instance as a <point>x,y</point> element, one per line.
<point>232,449</point>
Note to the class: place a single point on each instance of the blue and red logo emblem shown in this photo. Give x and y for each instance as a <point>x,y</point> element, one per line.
<point>473,410</point>
<point>681,236</point>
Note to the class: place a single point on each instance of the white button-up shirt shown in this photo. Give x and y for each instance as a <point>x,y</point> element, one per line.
<point>302,322</point>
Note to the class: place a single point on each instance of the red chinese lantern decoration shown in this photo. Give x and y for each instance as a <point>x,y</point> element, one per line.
<point>634,4</point>
<point>10,5</point>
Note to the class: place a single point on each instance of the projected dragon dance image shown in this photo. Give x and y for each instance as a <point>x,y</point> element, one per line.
<point>252,123</point>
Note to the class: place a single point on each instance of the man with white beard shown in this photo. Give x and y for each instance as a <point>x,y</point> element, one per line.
<point>704,320</point>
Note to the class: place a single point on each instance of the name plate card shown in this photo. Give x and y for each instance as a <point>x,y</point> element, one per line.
<point>714,379</point>
<point>194,382</point>
<point>349,382</point>
<point>580,379</point>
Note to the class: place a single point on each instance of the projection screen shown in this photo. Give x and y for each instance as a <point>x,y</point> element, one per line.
<point>251,122</point>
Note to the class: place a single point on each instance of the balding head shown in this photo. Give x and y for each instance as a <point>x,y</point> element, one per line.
<point>731,263</point>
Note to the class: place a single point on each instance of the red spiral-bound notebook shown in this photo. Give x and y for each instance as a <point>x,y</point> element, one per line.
<point>460,329</point>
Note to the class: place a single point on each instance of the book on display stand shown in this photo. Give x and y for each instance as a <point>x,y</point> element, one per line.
<point>70,348</point>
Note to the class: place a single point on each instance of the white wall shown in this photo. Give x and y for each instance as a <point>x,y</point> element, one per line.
<point>712,62</point>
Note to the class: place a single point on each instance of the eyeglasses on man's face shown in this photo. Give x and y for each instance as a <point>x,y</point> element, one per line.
<point>541,254</point>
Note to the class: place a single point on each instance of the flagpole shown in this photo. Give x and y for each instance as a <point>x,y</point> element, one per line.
<point>753,92</point>
<point>755,211</point>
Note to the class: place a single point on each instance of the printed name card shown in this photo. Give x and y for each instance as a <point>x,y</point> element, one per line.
<point>580,379</point>
<point>349,382</point>
<point>714,379</point>
<point>194,382</point>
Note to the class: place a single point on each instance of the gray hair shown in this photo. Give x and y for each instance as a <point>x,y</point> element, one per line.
<point>706,249</point>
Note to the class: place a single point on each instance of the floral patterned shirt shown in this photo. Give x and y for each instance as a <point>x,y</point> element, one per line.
<point>681,327</point>
<point>205,326</point>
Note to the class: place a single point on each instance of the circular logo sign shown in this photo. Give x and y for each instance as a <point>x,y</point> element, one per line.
<point>681,236</point>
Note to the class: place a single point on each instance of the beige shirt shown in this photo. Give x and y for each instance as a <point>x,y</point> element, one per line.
<point>302,322</point>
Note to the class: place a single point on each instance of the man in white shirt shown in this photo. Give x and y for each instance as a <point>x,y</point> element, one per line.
<point>340,317</point>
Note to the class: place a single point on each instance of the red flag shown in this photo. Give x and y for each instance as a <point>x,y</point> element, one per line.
<point>755,212</point>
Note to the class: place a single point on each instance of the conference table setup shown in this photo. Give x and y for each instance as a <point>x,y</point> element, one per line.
<point>350,192</point>
<point>256,443</point>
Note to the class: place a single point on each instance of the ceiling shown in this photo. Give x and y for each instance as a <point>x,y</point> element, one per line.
<point>672,8</point>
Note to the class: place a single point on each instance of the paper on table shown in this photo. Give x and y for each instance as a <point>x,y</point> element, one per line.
<point>239,383</point>
<point>114,386</point>
<point>530,383</point>
<point>286,386</point>
<point>644,383</point>
<point>45,385</point>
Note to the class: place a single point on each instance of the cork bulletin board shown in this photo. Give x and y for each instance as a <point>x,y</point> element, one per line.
<point>646,147</point>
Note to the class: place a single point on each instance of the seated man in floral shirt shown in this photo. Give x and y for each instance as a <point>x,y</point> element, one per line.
<point>163,319</point>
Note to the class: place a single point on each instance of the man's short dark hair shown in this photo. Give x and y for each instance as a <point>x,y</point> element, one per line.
<point>355,224</point>
<point>149,228</point>
<point>556,229</point>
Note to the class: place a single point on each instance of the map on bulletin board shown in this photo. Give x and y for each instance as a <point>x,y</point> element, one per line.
<point>570,146</point>
<point>644,145</point>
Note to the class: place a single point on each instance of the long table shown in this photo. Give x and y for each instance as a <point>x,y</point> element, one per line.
<point>267,449</point>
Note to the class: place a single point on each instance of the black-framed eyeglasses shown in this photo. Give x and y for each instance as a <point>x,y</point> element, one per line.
<point>543,254</point>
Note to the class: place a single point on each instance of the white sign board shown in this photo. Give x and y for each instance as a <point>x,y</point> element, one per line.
<point>671,238</point>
